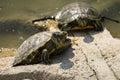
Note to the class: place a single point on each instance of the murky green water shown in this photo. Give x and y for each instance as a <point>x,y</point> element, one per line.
<point>13,13</point>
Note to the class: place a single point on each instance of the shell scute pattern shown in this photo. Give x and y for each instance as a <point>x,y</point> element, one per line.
<point>32,49</point>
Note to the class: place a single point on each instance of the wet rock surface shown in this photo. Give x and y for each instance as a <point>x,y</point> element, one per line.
<point>92,56</point>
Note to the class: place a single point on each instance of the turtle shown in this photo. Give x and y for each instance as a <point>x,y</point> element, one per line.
<point>77,16</point>
<point>39,47</point>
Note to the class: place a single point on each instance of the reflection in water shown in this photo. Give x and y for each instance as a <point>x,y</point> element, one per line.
<point>12,33</point>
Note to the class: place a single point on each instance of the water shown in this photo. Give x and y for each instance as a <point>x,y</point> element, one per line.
<point>14,32</point>
<point>16,14</point>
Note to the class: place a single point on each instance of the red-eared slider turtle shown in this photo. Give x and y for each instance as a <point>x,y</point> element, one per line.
<point>40,46</point>
<point>78,15</point>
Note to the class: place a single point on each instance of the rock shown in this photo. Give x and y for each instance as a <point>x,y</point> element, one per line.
<point>92,56</point>
<point>48,25</point>
<point>7,52</point>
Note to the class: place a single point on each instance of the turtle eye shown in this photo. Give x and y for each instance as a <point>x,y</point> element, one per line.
<point>57,34</point>
<point>65,33</point>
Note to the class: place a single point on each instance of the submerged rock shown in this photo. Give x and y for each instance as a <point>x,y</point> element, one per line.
<point>92,56</point>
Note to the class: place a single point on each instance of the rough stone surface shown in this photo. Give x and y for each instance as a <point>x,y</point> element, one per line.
<point>92,56</point>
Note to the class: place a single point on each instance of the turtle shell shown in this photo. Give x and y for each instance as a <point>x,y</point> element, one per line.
<point>29,49</point>
<point>76,10</point>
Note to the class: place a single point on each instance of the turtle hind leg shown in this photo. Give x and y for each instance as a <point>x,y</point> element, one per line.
<point>98,26</point>
<point>44,18</point>
<point>45,57</point>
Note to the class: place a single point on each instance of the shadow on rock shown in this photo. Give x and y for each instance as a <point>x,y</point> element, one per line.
<point>64,59</point>
<point>88,38</point>
<point>87,34</point>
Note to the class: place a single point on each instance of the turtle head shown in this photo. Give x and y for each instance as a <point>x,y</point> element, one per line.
<point>60,39</point>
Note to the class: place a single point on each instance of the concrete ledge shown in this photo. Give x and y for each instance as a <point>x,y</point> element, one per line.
<point>92,56</point>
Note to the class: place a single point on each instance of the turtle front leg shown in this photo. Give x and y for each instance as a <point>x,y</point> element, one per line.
<point>44,18</point>
<point>45,56</point>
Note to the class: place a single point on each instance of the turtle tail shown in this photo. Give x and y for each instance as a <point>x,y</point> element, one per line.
<point>110,19</point>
